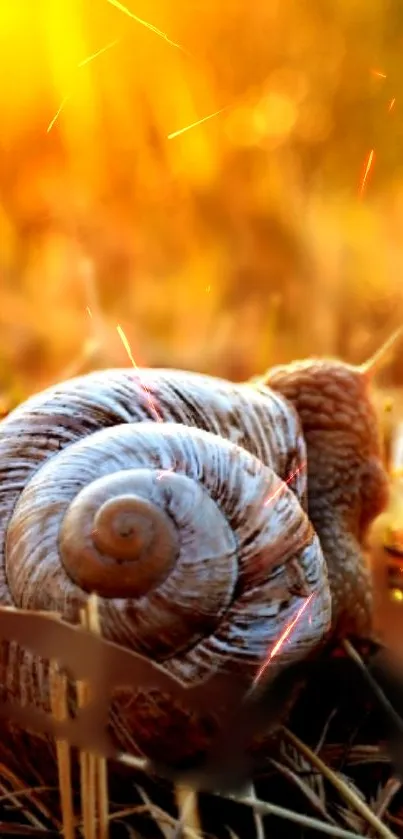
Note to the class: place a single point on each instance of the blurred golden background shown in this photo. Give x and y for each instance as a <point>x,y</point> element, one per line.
<point>269,230</point>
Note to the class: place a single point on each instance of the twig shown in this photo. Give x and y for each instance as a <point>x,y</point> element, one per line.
<point>187,802</point>
<point>19,788</point>
<point>101,771</point>
<point>345,792</point>
<point>12,796</point>
<point>351,739</point>
<point>58,700</point>
<point>359,755</point>
<point>87,762</point>
<point>391,788</point>
<point>21,830</point>
<point>309,793</point>
<point>382,699</point>
<point>15,794</point>
<point>166,832</point>
<point>155,811</point>
<point>325,731</point>
<point>251,793</point>
<point>267,809</point>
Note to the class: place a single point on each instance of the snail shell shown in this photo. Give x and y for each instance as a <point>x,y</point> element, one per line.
<point>164,493</point>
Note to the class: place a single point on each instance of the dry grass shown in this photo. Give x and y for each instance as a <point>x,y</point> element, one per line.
<point>315,786</point>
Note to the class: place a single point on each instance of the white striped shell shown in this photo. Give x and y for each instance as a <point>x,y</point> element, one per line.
<point>190,540</point>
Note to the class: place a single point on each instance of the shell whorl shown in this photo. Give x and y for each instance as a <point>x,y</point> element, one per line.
<point>115,538</point>
<point>188,538</point>
<point>229,555</point>
<point>261,423</point>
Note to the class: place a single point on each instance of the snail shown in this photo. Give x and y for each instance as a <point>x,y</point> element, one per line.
<point>204,514</point>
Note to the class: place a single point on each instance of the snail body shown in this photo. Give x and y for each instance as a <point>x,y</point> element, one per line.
<point>203,514</point>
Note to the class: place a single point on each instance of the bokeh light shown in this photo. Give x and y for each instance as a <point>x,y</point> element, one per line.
<point>152,151</point>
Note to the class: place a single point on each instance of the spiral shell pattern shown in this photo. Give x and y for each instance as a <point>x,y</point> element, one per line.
<point>185,528</point>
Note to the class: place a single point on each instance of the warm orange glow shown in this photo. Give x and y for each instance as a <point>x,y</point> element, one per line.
<point>194,153</point>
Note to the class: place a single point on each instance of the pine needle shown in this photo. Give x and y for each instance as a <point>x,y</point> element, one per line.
<point>268,809</point>
<point>344,791</point>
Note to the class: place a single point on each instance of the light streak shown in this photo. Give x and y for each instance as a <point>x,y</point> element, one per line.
<point>283,638</point>
<point>150,400</point>
<point>145,23</point>
<point>391,104</point>
<point>368,167</point>
<point>57,114</point>
<point>99,52</point>
<point>195,124</point>
<point>280,489</point>
<point>81,64</point>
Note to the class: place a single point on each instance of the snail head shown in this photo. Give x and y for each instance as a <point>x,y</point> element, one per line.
<point>341,427</point>
<point>347,480</point>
